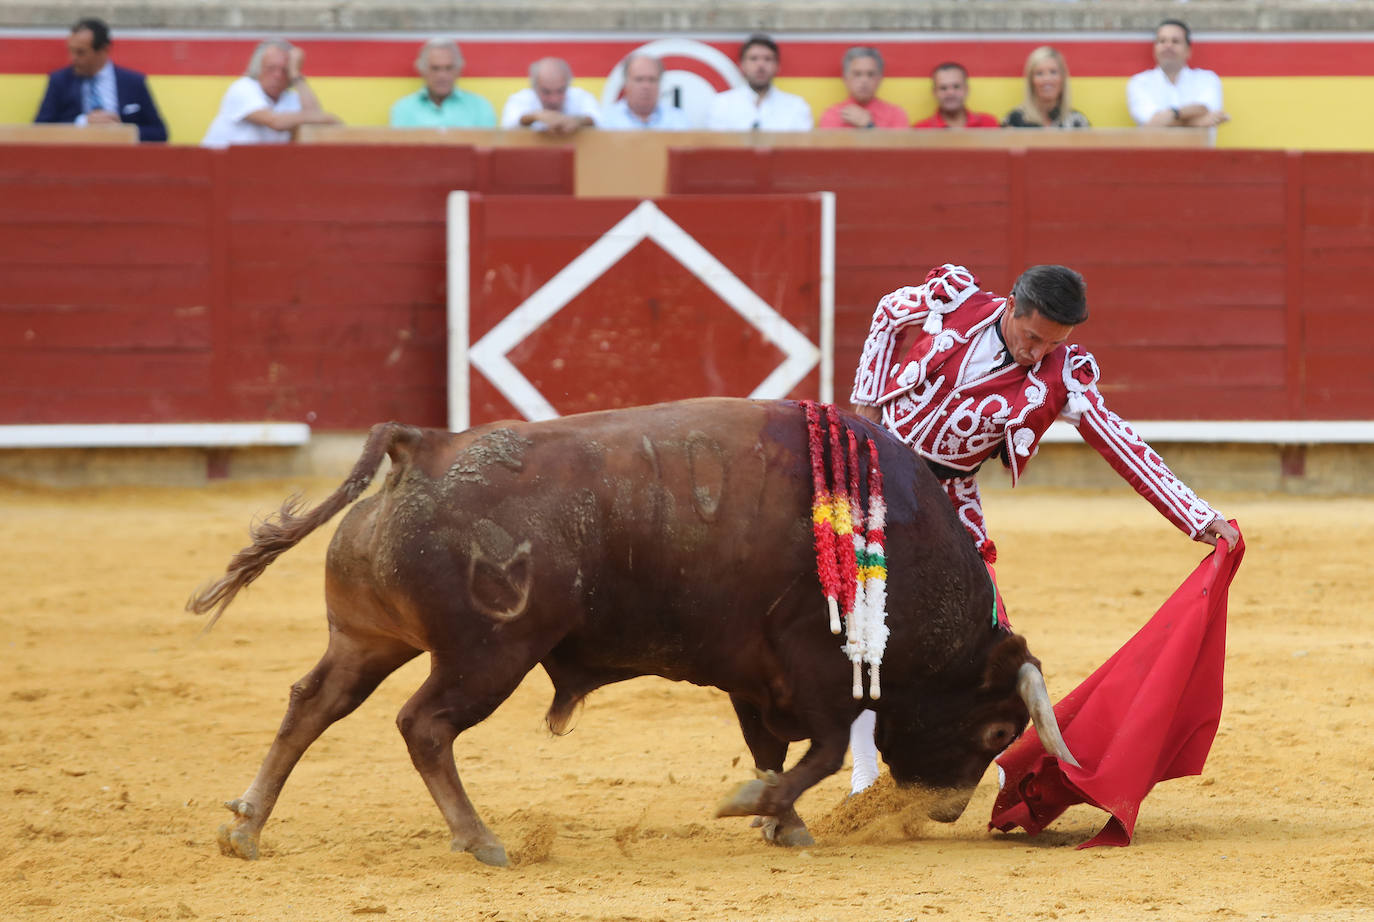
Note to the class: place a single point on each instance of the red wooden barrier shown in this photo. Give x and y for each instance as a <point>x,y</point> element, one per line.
<point>105,258</point>
<point>151,284</point>
<point>1223,284</point>
<point>618,302</point>
<point>278,283</point>
<point>1184,256</point>
<point>1333,290</point>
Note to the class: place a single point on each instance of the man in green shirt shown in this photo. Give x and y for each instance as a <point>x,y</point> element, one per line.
<point>441,104</point>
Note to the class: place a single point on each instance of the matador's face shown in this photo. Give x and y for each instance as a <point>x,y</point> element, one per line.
<point>1030,336</point>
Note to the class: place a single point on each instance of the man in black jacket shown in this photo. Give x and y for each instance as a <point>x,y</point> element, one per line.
<point>92,89</point>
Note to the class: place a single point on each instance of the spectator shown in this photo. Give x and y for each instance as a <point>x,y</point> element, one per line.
<point>949,86</point>
<point>440,104</point>
<point>268,103</point>
<point>759,106</point>
<point>551,103</point>
<point>92,90</point>
<point>1047,103</point>
<point>863,74</point>
<point>1174,94</point>
<point>640,107</point>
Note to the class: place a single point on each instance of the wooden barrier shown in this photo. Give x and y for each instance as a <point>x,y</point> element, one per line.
<point>635,163</point>
<point>63,133</point>
<point>579,305</point>
<point>164,284</point>
<point>156,284</point>
<point>1329,198</point>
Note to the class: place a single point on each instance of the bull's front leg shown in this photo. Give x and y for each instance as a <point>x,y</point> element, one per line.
<point>773,794</point>
<point>769,752</point>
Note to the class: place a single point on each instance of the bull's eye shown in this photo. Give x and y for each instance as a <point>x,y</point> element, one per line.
<point>998,736</point>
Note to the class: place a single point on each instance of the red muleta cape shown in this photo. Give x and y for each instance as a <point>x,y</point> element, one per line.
<point>1148,714</point>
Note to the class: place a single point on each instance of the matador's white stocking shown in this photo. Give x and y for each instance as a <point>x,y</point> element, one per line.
<point>864,752</point>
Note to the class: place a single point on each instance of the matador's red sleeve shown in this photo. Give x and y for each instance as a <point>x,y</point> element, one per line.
<point>1129,454</point>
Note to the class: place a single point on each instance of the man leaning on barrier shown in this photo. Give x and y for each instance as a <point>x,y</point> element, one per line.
<point>551,103</point>
<point>92,90</point>
<point>439,103</point>
<point>269,102</point>
<point>641,108</point>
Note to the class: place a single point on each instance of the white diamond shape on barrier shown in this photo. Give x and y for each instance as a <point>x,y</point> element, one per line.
<point>646,222</point>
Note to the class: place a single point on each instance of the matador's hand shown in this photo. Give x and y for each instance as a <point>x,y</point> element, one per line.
<point>1219,528</point>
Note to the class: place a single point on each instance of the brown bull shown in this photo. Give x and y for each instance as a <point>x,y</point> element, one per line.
<point>672,540</point>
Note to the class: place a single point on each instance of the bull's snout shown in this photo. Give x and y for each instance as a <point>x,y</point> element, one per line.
<point>949,806</point>
<point>943,805</point>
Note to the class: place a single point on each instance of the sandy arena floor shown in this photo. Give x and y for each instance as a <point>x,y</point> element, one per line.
<point>123,733</point>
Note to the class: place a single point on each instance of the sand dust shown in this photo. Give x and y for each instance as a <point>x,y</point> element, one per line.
<point>123,732</point>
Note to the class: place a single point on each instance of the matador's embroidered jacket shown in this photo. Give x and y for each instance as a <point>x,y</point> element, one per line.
<point>957,398</point>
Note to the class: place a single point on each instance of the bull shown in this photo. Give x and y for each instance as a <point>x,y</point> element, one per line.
<point>671,540</point>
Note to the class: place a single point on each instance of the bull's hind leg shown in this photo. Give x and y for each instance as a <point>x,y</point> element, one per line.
<point>457,695</point>
<point>349,671</point>
<point>769,752</point>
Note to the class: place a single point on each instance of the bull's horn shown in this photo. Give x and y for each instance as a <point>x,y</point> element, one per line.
<point>1030,685</point>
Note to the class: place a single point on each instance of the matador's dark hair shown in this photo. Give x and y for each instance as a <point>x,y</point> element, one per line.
<point>1058,292</point>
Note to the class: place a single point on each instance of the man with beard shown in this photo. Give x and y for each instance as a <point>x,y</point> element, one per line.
<point>758,106</point>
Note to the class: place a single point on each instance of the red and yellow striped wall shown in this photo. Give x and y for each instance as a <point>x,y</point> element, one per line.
<point>1301,91</point>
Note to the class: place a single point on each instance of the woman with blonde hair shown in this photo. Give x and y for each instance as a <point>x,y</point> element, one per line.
<point>1047,103</point>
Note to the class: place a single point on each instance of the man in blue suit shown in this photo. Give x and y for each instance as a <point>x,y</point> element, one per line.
<point>93,90</point>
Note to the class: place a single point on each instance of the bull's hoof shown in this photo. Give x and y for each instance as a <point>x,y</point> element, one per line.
<point>238,842</point>
<point>749,798</point>
<point>492,853</point>
<point>791,835</point>
<point>240,807</point>
<point>744,800</point>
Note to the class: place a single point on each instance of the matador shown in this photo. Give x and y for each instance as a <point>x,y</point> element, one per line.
<point>985,376</point>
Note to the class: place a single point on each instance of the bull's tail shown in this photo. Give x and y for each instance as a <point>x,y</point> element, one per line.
<point>277,534</point>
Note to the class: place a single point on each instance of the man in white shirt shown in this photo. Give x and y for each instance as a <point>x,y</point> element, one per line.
<point>640,108</point>
<point>268,103</point>
<point>551,103</point>
<point>1174,94</point>
<point>759,106</point>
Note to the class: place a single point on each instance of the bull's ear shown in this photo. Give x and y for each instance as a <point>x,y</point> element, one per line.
<point>1004,664</point>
